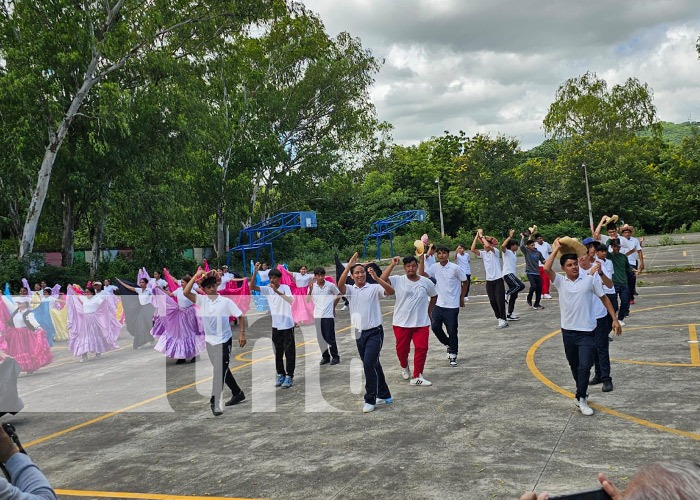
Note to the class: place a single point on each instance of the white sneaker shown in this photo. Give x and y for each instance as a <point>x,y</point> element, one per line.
<point>513,317</point>
<point>367,408</point>
<point>452,358</point>
<point>502,323</point>
<point>345,308</point>
<point>466,299</point>
<point>583,406</point>
<point>405,373</point>
<point>622,323</point>
<point>420,381</point>
<point>546,296</point>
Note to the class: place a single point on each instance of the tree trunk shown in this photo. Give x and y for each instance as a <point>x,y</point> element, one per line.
<point>55,140</point>
<point>67,250</point>
<point>97,245</point>
<point>220,236</point>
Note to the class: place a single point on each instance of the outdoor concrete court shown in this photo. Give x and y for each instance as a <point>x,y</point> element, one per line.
<point>501,423</point>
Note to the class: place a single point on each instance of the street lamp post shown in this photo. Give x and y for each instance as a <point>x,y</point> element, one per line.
<point>442,222</point>
<point>588,198</point>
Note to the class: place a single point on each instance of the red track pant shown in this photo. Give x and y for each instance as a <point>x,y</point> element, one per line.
<point>420,336</point>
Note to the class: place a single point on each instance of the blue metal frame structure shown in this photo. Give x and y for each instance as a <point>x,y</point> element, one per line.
<point>387,226</point>
<point>262,234</point>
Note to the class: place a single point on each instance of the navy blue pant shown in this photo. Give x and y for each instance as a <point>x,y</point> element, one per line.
<point>448,317</point>
<point>325,334</point>
<point>369,345</point>
<point>580,348</point>
<point>632,280</point>
<point>602,354</point>
<point>624,293</point>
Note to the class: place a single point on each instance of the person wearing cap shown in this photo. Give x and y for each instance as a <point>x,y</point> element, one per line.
<point>495,288</point>
<point>577,290</point>
<point>631,247</point>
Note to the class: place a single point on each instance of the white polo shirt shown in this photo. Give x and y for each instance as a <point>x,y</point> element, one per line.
<point>510,261</point>
<point>575,301</point>
<point>463,262</point>
<point>280,309</point>
<point>631,244</point>
<point>448,282</point>
<point>412,298</point>
<point>607,267</point>
<point>599,310</point>
<point>365,311</point>
<point>545,249</point>
<point>492,264</point>
<point>323,298</point>
<point>215,315</point>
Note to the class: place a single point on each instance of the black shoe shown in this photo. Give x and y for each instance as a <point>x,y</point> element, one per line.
<point>607,386</point>
<point>324,361</point>
<point>595,381</point>
<point>215,408</point>
<point>335,361</point>
<point>180,361</point>
<point>193,360</point>
<point>237,398</point>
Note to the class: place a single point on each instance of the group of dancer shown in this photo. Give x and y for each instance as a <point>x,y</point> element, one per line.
<point>182,318</point>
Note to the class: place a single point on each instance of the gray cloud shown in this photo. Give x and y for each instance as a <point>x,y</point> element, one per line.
<point>495,66</point>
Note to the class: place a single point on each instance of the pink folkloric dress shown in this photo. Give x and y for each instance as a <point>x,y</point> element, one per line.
<point>92,324</point>
<point>22,338</point>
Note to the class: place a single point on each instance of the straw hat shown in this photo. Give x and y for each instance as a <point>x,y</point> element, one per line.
<point>532,229</point>
<point>424,239</point>
<point>571,245</point>
<point>608,220</point>
<point>627,227</point>
<point>420,247</point>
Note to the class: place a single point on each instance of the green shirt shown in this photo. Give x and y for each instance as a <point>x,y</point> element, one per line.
<point>620,266</point>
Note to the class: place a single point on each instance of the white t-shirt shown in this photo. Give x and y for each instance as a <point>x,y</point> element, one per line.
<point>323,298</point>
<point>144,296</point>
<point>463,262</point>
<point>215,315</point>
<point>575,301</point>
<point>607,267</point>
<point>302,280</point>
<point>412,298</point>
<point>492,264</point>
<point>631,244</point>
<point>448,282</point>
<point>182,300</point>
<point>545,249</point>
<point>365,311</point>
<point>264,275</point>
<point>429,260</point>
<point>280,309</point>
<point>510,261</point>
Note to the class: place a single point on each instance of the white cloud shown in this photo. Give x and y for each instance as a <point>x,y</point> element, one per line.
<point>495,66</point>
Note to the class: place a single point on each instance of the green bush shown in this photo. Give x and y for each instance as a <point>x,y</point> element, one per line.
<point>695,227</point>
<point>666,240</point>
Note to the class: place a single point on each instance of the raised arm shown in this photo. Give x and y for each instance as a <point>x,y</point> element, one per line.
<point>387,272</point>
<point>596,233</point>
<point>477,237</point>
<point>130,288</point>
<point>346,271</point>
<point>252,284</point>
<point>421,266</point>
<point>550,261</point>
<point>187,292</point>
<point>504,245</point>
<point>388,289</point>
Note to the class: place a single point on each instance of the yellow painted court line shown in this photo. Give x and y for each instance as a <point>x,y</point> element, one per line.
<point>530,360</point>
<point>150,400</point>
<point>142,496</point>
<point>652,363</point>
<point>694,348</point>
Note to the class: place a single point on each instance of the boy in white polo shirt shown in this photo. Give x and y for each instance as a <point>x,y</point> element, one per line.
<point>415,300</point>
<point>325,296</point>
<point>494,276</point>
<point>280,300</point>
<point>366,319</point>
<point>578,322</point>
<point>215,311</point>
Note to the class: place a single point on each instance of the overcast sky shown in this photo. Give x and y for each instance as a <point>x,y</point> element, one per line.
<point>493,66</point>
